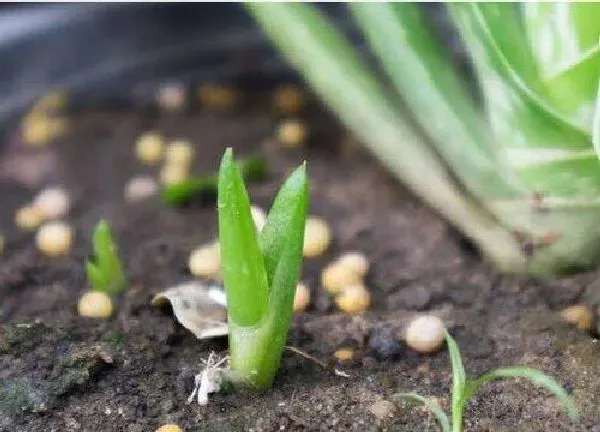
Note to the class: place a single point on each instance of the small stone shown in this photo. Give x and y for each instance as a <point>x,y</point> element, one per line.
<point>291,133</point>
<point>317,237</point>
<point>53,202</point>
<point>425,334</point>
<point>140,188</point>
<point>173,174</point>
<point>353,299</point>
<point>169,428</point>
<point>383,409</point>
<point>355,261</point>
<point>171,96</point>
<point>179,152</point>
<point>288,99</point>
<point>301,298</point>
<point>335,278</point>
<point>54,238</point>
<point>28,218</point>
<point>580,316</point>
<point>384,344</point>
<point>95,304</point>
<point>149,148</point>
<point>344,354</point>
<point>205,261</point>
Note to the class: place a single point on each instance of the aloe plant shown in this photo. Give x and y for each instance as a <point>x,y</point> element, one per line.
<point>105,272</point>
<point>517,173</point>
<point>463,389</point>
<point>260,271</point>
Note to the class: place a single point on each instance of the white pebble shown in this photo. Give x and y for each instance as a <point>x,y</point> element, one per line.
<point>140,188</point>
<point>317,237</point>
<point>355,261</point>
<point>291,133</point>
<point>173,174</point>
<point>28,218</point>
<point>205,262</point>
<point>353,299</point>
<point>336,277</point>
<point>179,152</point>
<point>425,334</point>
<point>259,217</point>
<point>301,298</point>
<point>54,238</point>
<point>149,148</point>
<point>54,202</point>
<point>95,304</point>
<point>171,96</point>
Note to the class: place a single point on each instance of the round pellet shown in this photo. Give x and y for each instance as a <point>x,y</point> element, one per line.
<point>54,238</point>
<point>336,277</point>
<point>53,202</point>
<point>291,133</point>
<point>28,217</point>
<point>355,261</point>
<point>179,152</point>
<point>288,99</point>
<point>140,188</point>
<point>169,428</point>
<point>149,148</point>
<point>580,316</point>
<point>425,334</point>
<point>301,298</point>
<point>353,299</point>
<point>344,354</point>
<point>95,304</point>
<point>204,262</point>
<point>173,174</point>
<point>317,237</point>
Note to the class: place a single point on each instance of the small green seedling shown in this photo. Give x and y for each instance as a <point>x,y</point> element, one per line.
<point>252,168</point>
<point>260,272</point>
<point>106,272</point>
<point>464,389</point>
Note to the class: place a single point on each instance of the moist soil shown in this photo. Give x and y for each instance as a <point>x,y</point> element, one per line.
<point>135,371</point>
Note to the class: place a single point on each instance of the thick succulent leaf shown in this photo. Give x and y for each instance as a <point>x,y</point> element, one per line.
<point>527,128</point>
<point>559,33</point>
<point>429,86</point>
<point>107,258</point>
<point>596,122</point>
<point>438,412</point>
<point>283,220</point>
<point>532,375</point>
<point>459,376</point>
<point>243,267</point>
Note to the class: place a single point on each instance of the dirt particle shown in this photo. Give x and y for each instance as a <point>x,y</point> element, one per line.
<point>416,297</point>
<point>384,344</point>
<point>383,409</point>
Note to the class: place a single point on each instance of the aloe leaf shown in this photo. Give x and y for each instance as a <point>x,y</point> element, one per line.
<point>106,257</point>
<point>243,268</point>
<point>439,414</point>
<point>328,62</point>
<point>596,123</point>
<point>419,70</point>
<point>532,375</point>
<point>560,32</point>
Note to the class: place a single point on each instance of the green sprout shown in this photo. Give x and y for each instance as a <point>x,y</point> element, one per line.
<point>105,273</point>
<point>464,389</point>
<point>260,271</point>
<point>253,168</point>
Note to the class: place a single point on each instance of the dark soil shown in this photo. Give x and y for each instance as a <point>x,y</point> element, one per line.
<point>134,372</point>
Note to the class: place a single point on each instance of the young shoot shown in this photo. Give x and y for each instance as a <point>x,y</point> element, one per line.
<point>260,271</point>
<point>252,168</point>
<point>463,389</point>
<point>105,273</point>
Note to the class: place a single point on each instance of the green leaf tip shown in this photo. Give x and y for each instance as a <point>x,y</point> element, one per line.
<point>106,272</point>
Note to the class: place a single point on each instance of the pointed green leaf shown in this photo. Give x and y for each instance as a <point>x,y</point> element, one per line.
<point>95,277</point>
<point>532,375</point>
<point>242,262</point>
<point>459,377</point>
<point>596,123</point>
<point>283,219</point>
<point>107,259</point>
<point>437,411</point>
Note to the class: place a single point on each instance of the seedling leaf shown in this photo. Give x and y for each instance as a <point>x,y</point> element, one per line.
<point>106,272</point>
<point>439,414</point>
<point>532,375</point>
<point>243,267</point>
<point>285,219</point>
<point>459,376</point>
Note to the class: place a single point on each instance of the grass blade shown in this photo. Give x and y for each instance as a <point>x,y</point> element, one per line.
<point>107,258</point>
<point>459,377</point>
<point>596,123</point>
<point>243,268</point>
<point>532,375</point>
<point>438,412</point>
<point>283,219</point>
